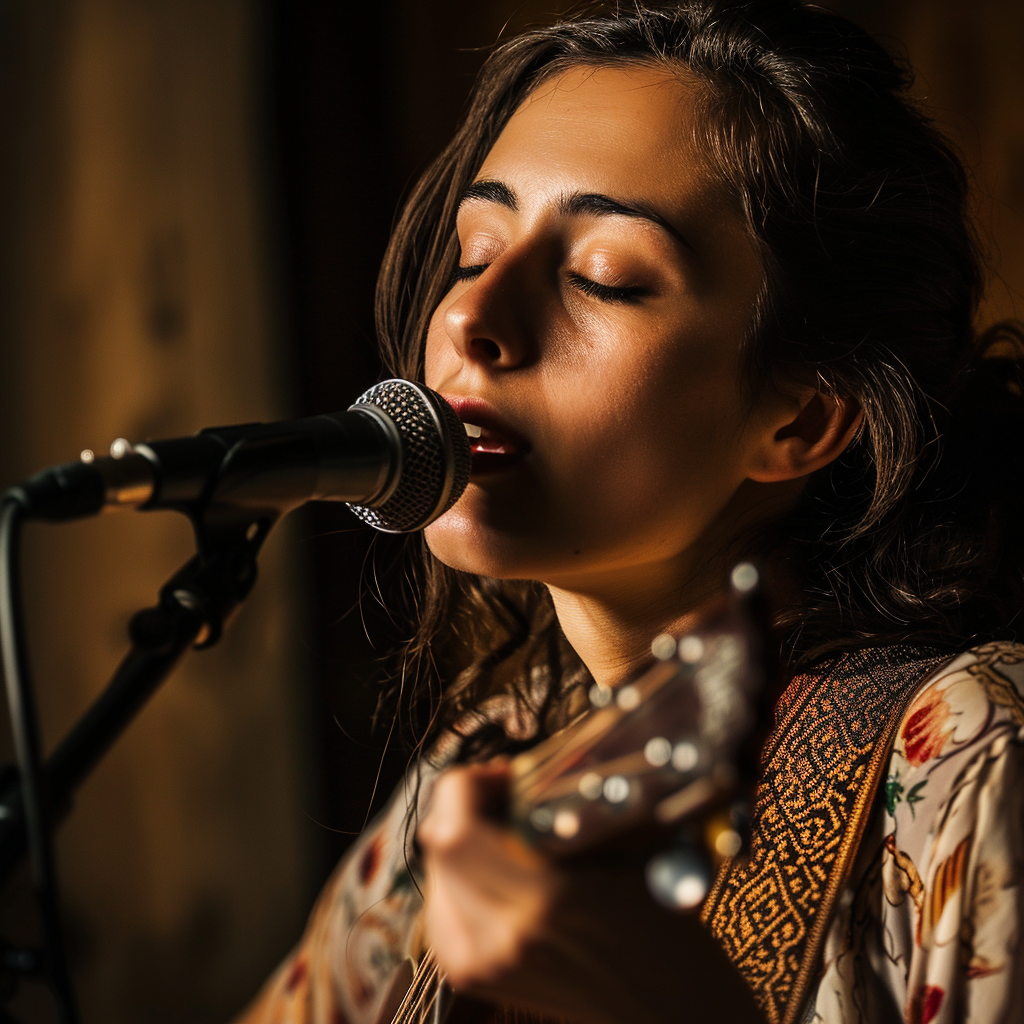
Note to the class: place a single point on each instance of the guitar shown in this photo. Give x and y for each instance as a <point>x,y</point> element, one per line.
<point>664,749</point>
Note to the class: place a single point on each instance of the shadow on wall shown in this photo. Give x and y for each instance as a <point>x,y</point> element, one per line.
<point>198,196</point>
<point>139,301</point>
<point>969,78</point>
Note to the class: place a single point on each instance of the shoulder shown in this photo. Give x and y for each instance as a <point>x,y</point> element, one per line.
<point>954,847</point>
<point>944,891</point>
<point>955,789</point>
<point>960,735</point>
<point>976,698</point>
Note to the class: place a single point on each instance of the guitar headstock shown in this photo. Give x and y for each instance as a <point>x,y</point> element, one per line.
<point>658,748</point>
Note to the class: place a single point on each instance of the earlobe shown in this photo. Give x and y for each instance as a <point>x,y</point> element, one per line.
<point>823,426</point>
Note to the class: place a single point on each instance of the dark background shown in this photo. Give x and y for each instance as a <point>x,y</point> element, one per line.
<point>197,194</point>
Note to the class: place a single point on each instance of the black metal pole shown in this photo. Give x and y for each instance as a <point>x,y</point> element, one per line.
<point>136,679</point>
<point>193,606</point>
<point>35,803</point>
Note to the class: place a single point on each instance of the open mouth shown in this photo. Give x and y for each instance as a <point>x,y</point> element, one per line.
<point>490,451</point>
<point>494,444</point>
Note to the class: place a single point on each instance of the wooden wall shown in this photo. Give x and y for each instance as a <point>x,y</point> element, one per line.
<point>197,193</point>
<point>139,300</point>
<point>970,77</point>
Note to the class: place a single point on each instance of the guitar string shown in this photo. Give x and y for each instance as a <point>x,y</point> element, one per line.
<point>423,999</point>
<point>408,1011</point>
<point>566,750</point>
<point>427,995</point>
<point>549,760</point>
<point>414,1006</point>
<point>402,1013</point>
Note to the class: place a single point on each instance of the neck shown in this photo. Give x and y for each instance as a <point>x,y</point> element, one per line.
<point>611,628</point>
<point>610,619</point>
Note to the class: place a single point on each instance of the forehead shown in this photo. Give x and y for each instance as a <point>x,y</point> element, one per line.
<point>621,130</point>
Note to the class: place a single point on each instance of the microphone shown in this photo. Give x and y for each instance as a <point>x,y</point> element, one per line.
<point>399,457</point>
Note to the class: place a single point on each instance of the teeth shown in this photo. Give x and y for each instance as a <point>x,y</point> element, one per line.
<point>472,430</point>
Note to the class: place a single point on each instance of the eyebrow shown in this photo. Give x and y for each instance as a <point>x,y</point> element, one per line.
<point>491,192</point>
<point>577,204</point>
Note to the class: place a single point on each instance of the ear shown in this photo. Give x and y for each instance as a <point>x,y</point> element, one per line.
<point>814,431</point>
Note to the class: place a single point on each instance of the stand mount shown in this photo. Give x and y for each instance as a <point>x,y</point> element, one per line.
<point>193,609</point>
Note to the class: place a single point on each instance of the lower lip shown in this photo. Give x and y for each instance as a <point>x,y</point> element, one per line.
<point>487,463</point>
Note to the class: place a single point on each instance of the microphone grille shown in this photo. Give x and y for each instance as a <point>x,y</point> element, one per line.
<point>434,456</point>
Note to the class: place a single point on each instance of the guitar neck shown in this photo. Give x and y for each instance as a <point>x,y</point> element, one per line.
<point>652,752</point>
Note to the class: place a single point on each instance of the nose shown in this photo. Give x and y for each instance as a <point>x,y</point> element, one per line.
<point>493,321</point>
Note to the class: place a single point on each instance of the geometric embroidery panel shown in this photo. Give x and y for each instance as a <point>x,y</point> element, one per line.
<point>819,771</point>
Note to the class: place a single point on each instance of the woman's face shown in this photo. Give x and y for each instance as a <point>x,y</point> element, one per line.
<point>594,332</point>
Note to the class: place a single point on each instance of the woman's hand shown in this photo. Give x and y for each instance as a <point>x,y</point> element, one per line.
<point>584,940</point>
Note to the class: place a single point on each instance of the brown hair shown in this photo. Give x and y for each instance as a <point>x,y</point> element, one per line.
<point>859,208</point>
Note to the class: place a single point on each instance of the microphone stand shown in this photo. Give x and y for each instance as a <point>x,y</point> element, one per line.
<point>233,483</point>
<point>193,608</point>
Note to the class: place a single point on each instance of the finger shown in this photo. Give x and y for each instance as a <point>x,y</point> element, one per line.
<point>451,813</point>
<point>461,797</point>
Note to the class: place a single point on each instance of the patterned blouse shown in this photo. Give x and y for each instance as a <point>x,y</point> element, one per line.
<point>926,930</point>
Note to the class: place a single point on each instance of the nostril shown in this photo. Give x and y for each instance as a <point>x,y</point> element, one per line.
<point>487,349</point>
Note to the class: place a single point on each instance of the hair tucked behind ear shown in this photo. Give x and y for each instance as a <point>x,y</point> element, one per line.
<point>858,207</point>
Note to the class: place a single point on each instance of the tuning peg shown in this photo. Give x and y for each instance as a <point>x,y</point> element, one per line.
<point>679,878</point>
<point>744,578</point>
<point>727,834</point>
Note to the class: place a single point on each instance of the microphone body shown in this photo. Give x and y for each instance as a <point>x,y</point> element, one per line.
<point>399,456</point>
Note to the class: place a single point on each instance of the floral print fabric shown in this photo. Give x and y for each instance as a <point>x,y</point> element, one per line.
<point>927,930</point>
<point>357,956</point>
<point>363,941</point>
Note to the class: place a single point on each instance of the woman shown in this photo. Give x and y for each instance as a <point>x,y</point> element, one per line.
<point>702,281</point>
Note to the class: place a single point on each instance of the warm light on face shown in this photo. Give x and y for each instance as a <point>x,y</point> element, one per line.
<point>605,285</point>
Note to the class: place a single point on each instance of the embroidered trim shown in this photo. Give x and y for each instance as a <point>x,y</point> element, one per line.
<point>820,771</point>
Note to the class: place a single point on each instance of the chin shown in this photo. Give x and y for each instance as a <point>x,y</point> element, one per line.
<point>463,544</point>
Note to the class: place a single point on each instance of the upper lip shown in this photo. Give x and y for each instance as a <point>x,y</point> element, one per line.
<point>482,414</point>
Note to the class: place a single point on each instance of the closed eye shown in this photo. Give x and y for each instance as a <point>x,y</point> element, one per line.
<point>604,292</point>
<point>466,273</point>
<point>607,292</point>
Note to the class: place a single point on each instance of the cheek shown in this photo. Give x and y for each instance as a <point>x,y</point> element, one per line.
<point>663,408</point>
<point>661,441</point>
<point>635,464</point>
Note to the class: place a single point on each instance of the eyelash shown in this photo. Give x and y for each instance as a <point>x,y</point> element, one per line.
<point>604,292</point>
<point>466,273</point>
